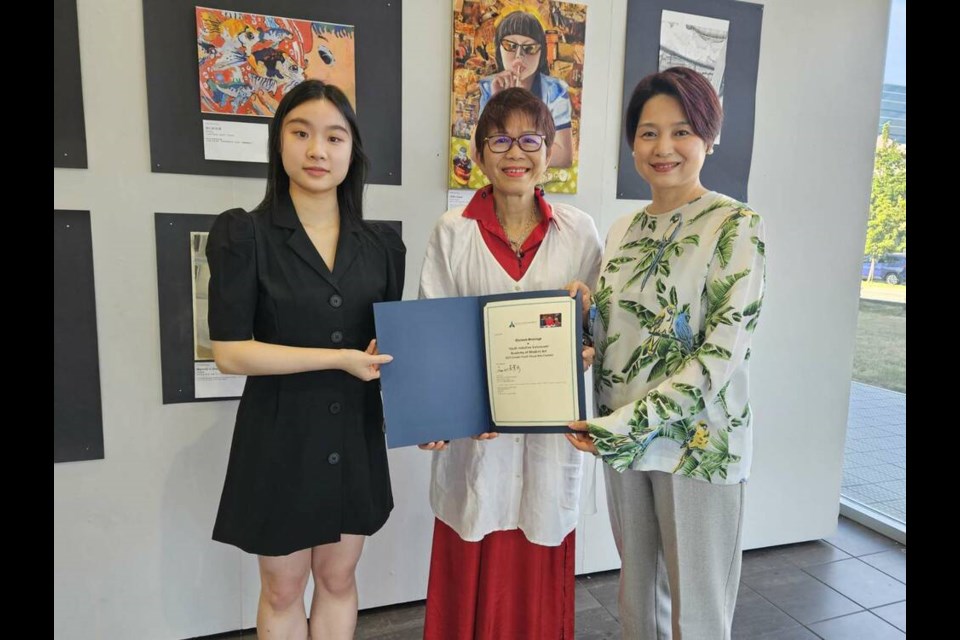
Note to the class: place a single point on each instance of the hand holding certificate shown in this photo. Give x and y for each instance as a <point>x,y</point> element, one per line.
<point>465,366</point>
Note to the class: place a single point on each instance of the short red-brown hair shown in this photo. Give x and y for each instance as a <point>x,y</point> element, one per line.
<point>513,101</point>
<point>694,92</point>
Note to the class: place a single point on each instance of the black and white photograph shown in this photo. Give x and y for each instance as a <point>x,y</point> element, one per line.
<point>695,42</point>
<point>189,372</point>
<point>202,351</point>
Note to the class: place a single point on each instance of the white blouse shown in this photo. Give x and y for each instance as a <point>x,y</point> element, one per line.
<point>530,482</point>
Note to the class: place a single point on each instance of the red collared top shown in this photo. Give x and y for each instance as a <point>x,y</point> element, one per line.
<point>481,209</point>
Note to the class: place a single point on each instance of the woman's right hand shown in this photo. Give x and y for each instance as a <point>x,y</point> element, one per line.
<point>440,445</point>
<point>582,439</point>
<point>437,445</point>
<point>364,364</point>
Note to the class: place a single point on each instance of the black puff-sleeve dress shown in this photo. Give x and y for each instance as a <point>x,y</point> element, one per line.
<point>308,460</point>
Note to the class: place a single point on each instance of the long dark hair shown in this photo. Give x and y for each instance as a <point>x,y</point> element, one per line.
<point>521,23</point>
<point>350,191</point>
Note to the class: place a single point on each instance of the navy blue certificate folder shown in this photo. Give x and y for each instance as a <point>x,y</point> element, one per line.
<point>436,387</point>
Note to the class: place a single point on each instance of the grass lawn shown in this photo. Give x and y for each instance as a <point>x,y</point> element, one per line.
<point>880,358</point>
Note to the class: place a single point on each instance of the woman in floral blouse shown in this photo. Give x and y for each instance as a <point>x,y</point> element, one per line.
<point>677,303</point>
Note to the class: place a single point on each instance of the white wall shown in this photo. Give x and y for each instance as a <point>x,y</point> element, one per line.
<point>132,551</point>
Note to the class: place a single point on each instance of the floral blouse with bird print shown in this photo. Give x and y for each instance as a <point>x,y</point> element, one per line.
<point>677,302</point>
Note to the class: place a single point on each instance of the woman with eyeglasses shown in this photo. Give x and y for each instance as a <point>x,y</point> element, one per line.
<point>502,563</point>
<point>677,302</point>
<point>522,62</point>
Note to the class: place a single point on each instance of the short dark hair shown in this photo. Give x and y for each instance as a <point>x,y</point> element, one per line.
<point>350,191</point>
<point>692,90</point>
<point>521,23</point>
<point>514,100</point>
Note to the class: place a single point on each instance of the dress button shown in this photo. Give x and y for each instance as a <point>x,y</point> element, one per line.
<point>336,301</point>
<point>335,408</point>
<point>518,288</point>
<point>333,458</point>
<point>336,337</point>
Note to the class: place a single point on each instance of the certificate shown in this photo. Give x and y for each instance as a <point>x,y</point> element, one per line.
<point>532,361</point>
<point>465,366</point>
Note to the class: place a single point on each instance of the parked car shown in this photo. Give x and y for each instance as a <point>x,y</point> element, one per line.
<point>891,268</point>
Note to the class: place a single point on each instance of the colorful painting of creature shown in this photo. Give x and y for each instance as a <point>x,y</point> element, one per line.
<point>248,61</point>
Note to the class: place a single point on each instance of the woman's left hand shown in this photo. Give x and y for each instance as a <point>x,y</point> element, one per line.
<point>373,351</point>
<point>577,288</point>
<point>588,353</point>
<point>582,440</point>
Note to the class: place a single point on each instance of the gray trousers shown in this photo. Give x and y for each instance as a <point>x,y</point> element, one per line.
<point>679,541</point>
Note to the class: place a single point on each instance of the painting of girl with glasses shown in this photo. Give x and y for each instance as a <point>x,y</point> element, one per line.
<point>520,49</point>
<point>536,46</point>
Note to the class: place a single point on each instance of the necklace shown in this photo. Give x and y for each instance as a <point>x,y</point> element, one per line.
<point>516,244</point>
